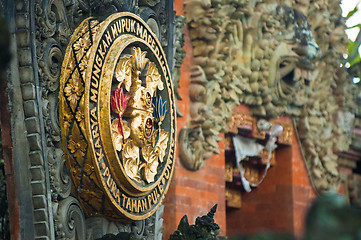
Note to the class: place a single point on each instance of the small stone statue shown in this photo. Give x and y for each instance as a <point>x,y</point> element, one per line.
<point>204,229</point>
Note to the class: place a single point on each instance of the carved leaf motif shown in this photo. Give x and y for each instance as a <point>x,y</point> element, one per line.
<point>159,109</point>
<point>88,169</point>
<point>139,60</point>
<point>76,144</point>
<point>162,144</point>
<point>91,193</point>
<point>83,30</point>
<point>80,115</point>
<point>150,171</point>
<point>131,160</point>
<point>151,163</point>
<point>153,79</point>
<point>83,65</point>
<point>76,172</point>
<point>149,154</point>
<point>123,72</point>
<point>81,46</point>
<point>73,90</point>
<point>94,26</point>
<point>117,136</point>
<point>67,118</point>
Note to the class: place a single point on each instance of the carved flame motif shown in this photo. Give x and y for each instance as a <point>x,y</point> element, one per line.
<point>119,102</point>
<point>143,147</point>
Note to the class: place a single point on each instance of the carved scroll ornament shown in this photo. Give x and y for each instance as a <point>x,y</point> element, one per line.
<point>117,116</point>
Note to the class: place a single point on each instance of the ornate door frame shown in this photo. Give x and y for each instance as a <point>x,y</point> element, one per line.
<point>40,31</point>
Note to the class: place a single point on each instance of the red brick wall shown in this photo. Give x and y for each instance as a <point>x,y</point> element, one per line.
<point>280,202</point>
<point>193,193</point>
<point>303,193</point>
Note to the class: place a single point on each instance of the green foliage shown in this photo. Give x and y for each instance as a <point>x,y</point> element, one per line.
<point>353,46</point>
<point>352,12</point>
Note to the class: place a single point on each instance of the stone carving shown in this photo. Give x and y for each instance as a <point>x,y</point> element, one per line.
<point>69,218</point>
<point>204,228</point>
<point>199,141</point>
<point>43,29</point>
<point>265,55</point>
<point>147,229</point>
<point>178,56</point>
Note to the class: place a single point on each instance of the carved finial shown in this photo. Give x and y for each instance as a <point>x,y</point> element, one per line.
<point>212,211</point>
<point>204,228</point>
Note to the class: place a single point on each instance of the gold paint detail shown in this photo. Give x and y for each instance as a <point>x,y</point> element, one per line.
<point>228,175</point>
<point>247,122</point>
<point>131,160</point>
<point>233,198</point>
<point>76,144</point>
<point>123,72</point>
<point>117,136</point>
<point>74,90</point>
<point>117,118</point>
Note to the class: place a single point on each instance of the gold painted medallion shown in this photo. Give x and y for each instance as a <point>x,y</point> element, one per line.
<point>117,117</point>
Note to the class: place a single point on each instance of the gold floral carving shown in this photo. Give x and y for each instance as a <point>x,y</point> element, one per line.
<point>151,163</point>
<point>139,110</point>
<point>79,116</point>
<point>74,90</point>
<point>146,147</point>
<point>123,72</point>
<point>131,160</point>
<point>161,145</point>
<point>81,46</point>
<point>138,61</point>
<point>67,119</point>
<point>153,78</point>
<point>76,144</point>
<point>118,138</point>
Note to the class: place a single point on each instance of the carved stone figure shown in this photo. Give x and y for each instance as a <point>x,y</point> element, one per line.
<point>204,228</point>
<point>265,55</point>
<point>198,142</point>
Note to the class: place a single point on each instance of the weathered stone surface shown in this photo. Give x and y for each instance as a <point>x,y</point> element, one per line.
<point>30,109</point>
<point>28,91</point>
<point>278,58</point>
<point>39,201</point>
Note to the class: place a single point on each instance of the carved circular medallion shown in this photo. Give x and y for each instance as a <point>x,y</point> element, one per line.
<point>117,116</point>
